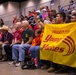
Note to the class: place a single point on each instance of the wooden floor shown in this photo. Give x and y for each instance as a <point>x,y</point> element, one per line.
<point>6,69</point>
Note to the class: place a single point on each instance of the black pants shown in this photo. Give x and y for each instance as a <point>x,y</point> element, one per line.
<point>54,65</point>
<point>45,62</point>
<point>8,50</point>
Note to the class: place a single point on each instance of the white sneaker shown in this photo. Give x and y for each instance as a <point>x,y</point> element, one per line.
<point>10,63</point>
<point>17,64</point>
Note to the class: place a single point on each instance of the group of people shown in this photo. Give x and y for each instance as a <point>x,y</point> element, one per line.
<point>27,36</point>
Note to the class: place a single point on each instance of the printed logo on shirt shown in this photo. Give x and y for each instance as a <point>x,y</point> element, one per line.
<point>26,35</point>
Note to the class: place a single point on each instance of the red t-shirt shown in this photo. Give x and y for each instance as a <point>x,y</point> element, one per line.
<point>21,29</point>
<point>14,21</point>
<point>17,35</point>
<point>35,28</point>
<point>48,10</point>
<point>29,26</point>
<point>34,13</point>
<point>30,14</point>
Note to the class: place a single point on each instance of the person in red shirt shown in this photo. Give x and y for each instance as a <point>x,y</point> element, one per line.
<point>47,8</point>
<point>17,34</point>
<point>30,14</point>
<point>34,12</point>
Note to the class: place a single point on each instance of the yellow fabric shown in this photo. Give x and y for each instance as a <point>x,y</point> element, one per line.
<point>59,44</point>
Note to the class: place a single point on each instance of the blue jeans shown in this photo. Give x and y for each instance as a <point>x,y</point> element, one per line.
<point>18,51</point>
<point>35,53</point>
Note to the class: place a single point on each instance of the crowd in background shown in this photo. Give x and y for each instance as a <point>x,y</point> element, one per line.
<point>26,34</point>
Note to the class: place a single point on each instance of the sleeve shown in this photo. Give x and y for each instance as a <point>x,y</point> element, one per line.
<point>31,33</point>
<point>9,38</point>
<point>33,42</point>
<point>36,41</point>
<point>22,34</point>
<point>19,37</point>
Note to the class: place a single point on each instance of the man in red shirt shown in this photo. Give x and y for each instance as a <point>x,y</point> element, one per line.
<point>17,34</point>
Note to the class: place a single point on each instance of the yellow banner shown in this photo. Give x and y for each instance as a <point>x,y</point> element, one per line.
<point>59,44</point>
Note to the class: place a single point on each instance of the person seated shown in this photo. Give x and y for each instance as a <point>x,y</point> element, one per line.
<point>18,50</point>
<point>16,39</point>
<point>36,42</point>
<point>5,41</point>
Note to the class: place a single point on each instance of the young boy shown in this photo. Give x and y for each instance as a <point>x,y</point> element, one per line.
<point>36,42</point>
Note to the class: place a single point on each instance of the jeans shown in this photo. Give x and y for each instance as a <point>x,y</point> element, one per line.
<point>22,51</point>
<point>18,51</point>
<point>35,53</point>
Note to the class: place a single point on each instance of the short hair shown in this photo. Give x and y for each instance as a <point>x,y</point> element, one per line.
<point>62,14</point>
<point>38,31</point>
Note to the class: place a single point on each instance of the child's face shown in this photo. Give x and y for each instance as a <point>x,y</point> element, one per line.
<point>36,34</point>
<point>53,21</point>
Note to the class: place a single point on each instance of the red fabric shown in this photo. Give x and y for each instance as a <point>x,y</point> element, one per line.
<point>34,13</point>
<point>21,29</point>
<point>17,35</point>
<point>0,36</point>
<point>48,10</point>
<point>28,51</point>
<point>14,21</point>
<point>30,15</point>
<point>35,28</point>
<point>36,41</point>
<point>29,27</point>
